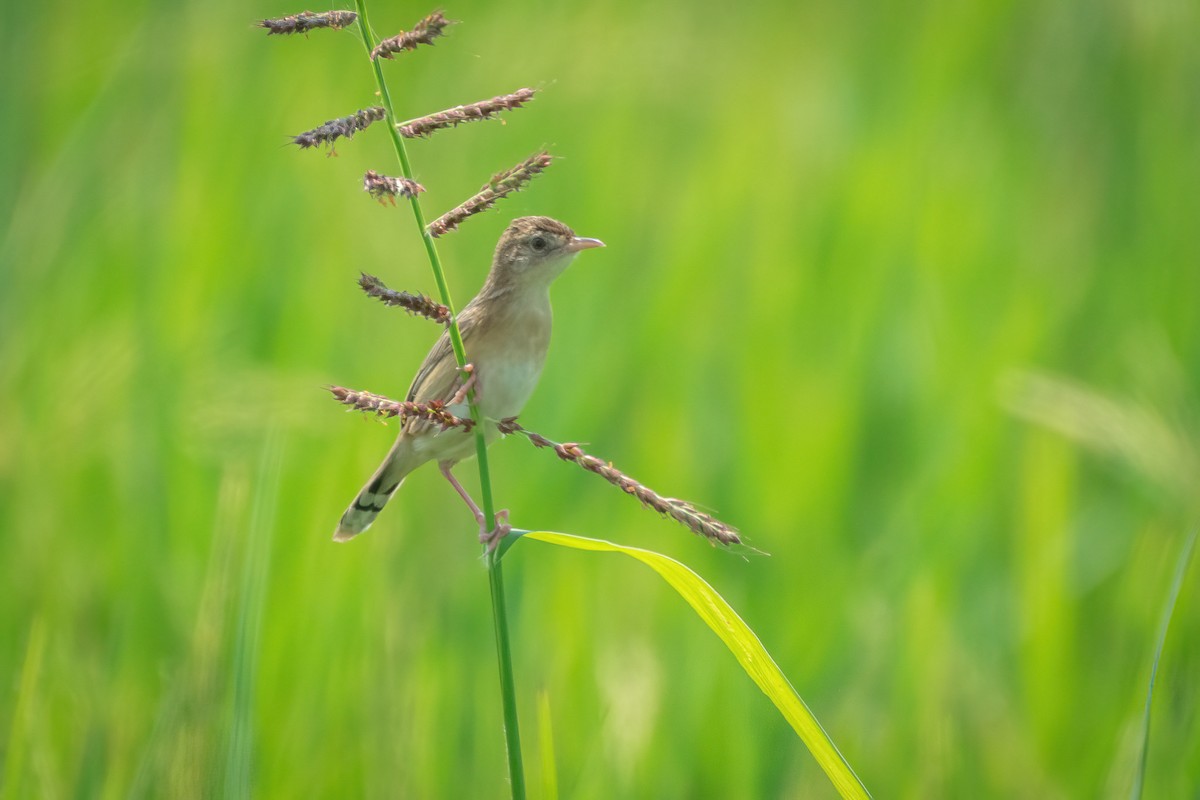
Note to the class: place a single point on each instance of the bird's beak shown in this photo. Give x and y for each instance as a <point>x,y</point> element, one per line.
<point>580,243</point>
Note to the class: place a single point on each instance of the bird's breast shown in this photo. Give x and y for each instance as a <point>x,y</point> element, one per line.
<point>506,385</point>
<point>509,356</point>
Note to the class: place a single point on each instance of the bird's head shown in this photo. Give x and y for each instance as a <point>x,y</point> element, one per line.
<point>533,251</point>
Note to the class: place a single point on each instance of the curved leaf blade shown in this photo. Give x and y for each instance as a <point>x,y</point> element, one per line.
<point>1164,625</point>
<point>741,641</point>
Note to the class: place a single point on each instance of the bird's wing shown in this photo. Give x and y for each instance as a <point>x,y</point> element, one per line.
<point>439,377</point>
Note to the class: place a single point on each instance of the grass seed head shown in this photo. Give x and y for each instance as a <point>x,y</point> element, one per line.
<point>424,32</point>
<point>334,129</point>
<point>307,21</point>
<point>500,186</point>
<point>385,188</point>
<point>472,112</point>
<point>413,303</point>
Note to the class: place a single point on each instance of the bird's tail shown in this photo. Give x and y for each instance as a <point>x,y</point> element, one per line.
<point>372,498</point>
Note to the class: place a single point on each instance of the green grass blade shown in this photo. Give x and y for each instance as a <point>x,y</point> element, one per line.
<point>14,761</point>
<point>746,647</point>
<point>239,759</point>
<point>1185,558</point>
<point>546,747</point>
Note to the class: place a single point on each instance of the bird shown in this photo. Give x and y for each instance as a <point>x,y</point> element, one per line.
<point>506,334</point>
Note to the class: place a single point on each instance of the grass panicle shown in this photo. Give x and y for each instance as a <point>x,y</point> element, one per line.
<point>307,21</point>
<point>417,304</point>
<point>472,112</point>
<point>500,186</point>
<point>681,511</point>
<point>508,691</point>
<point>334,129</point>
<point>424,32</point>
<point>385,188</point>
<point>434,411</point>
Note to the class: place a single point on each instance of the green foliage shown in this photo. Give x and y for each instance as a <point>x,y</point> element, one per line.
<point>840,238</point>
<point>1181,571</point>
<point>741,641</point>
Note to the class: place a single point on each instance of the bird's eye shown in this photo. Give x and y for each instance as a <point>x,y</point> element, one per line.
<point>538,243</point>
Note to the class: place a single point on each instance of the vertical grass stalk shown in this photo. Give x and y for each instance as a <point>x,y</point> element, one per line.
<point>239,750</point>
<point>508,696</point>
<point>23,715</point>
<point>1160,641</point>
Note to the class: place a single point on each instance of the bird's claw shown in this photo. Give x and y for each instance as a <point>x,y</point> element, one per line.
<point>492,538</point>
<point>461,395</point>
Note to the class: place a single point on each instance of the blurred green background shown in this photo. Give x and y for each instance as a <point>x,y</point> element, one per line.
<point>908,292</point>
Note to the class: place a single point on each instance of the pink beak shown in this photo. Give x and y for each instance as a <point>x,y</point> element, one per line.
<point>580,243</point>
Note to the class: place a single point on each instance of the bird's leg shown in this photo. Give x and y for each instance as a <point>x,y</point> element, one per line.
<point>458,487</point>
<point>490,538</point>
<point>461,395</point>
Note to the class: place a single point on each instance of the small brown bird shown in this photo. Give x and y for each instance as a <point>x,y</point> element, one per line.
<point>506,333</point>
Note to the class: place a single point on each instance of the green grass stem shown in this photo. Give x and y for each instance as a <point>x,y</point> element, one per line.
<point>512,732</point>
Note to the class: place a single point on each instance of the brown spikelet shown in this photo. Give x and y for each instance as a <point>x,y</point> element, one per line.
<point>434,411</point>
<point>307,21</point>
<point>385,188</point>
<point>681,511</point>
<point>501,185</point>
<point>417,304</point>
<point>424,32</point>
<point>342,126</point>
<point>451,117</point>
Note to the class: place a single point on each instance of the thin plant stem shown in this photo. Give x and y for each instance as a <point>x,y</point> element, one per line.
<point>508,693</point>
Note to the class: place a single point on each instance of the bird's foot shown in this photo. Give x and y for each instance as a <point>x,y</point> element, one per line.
<point>461,395</point>
<point>492,538</point>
